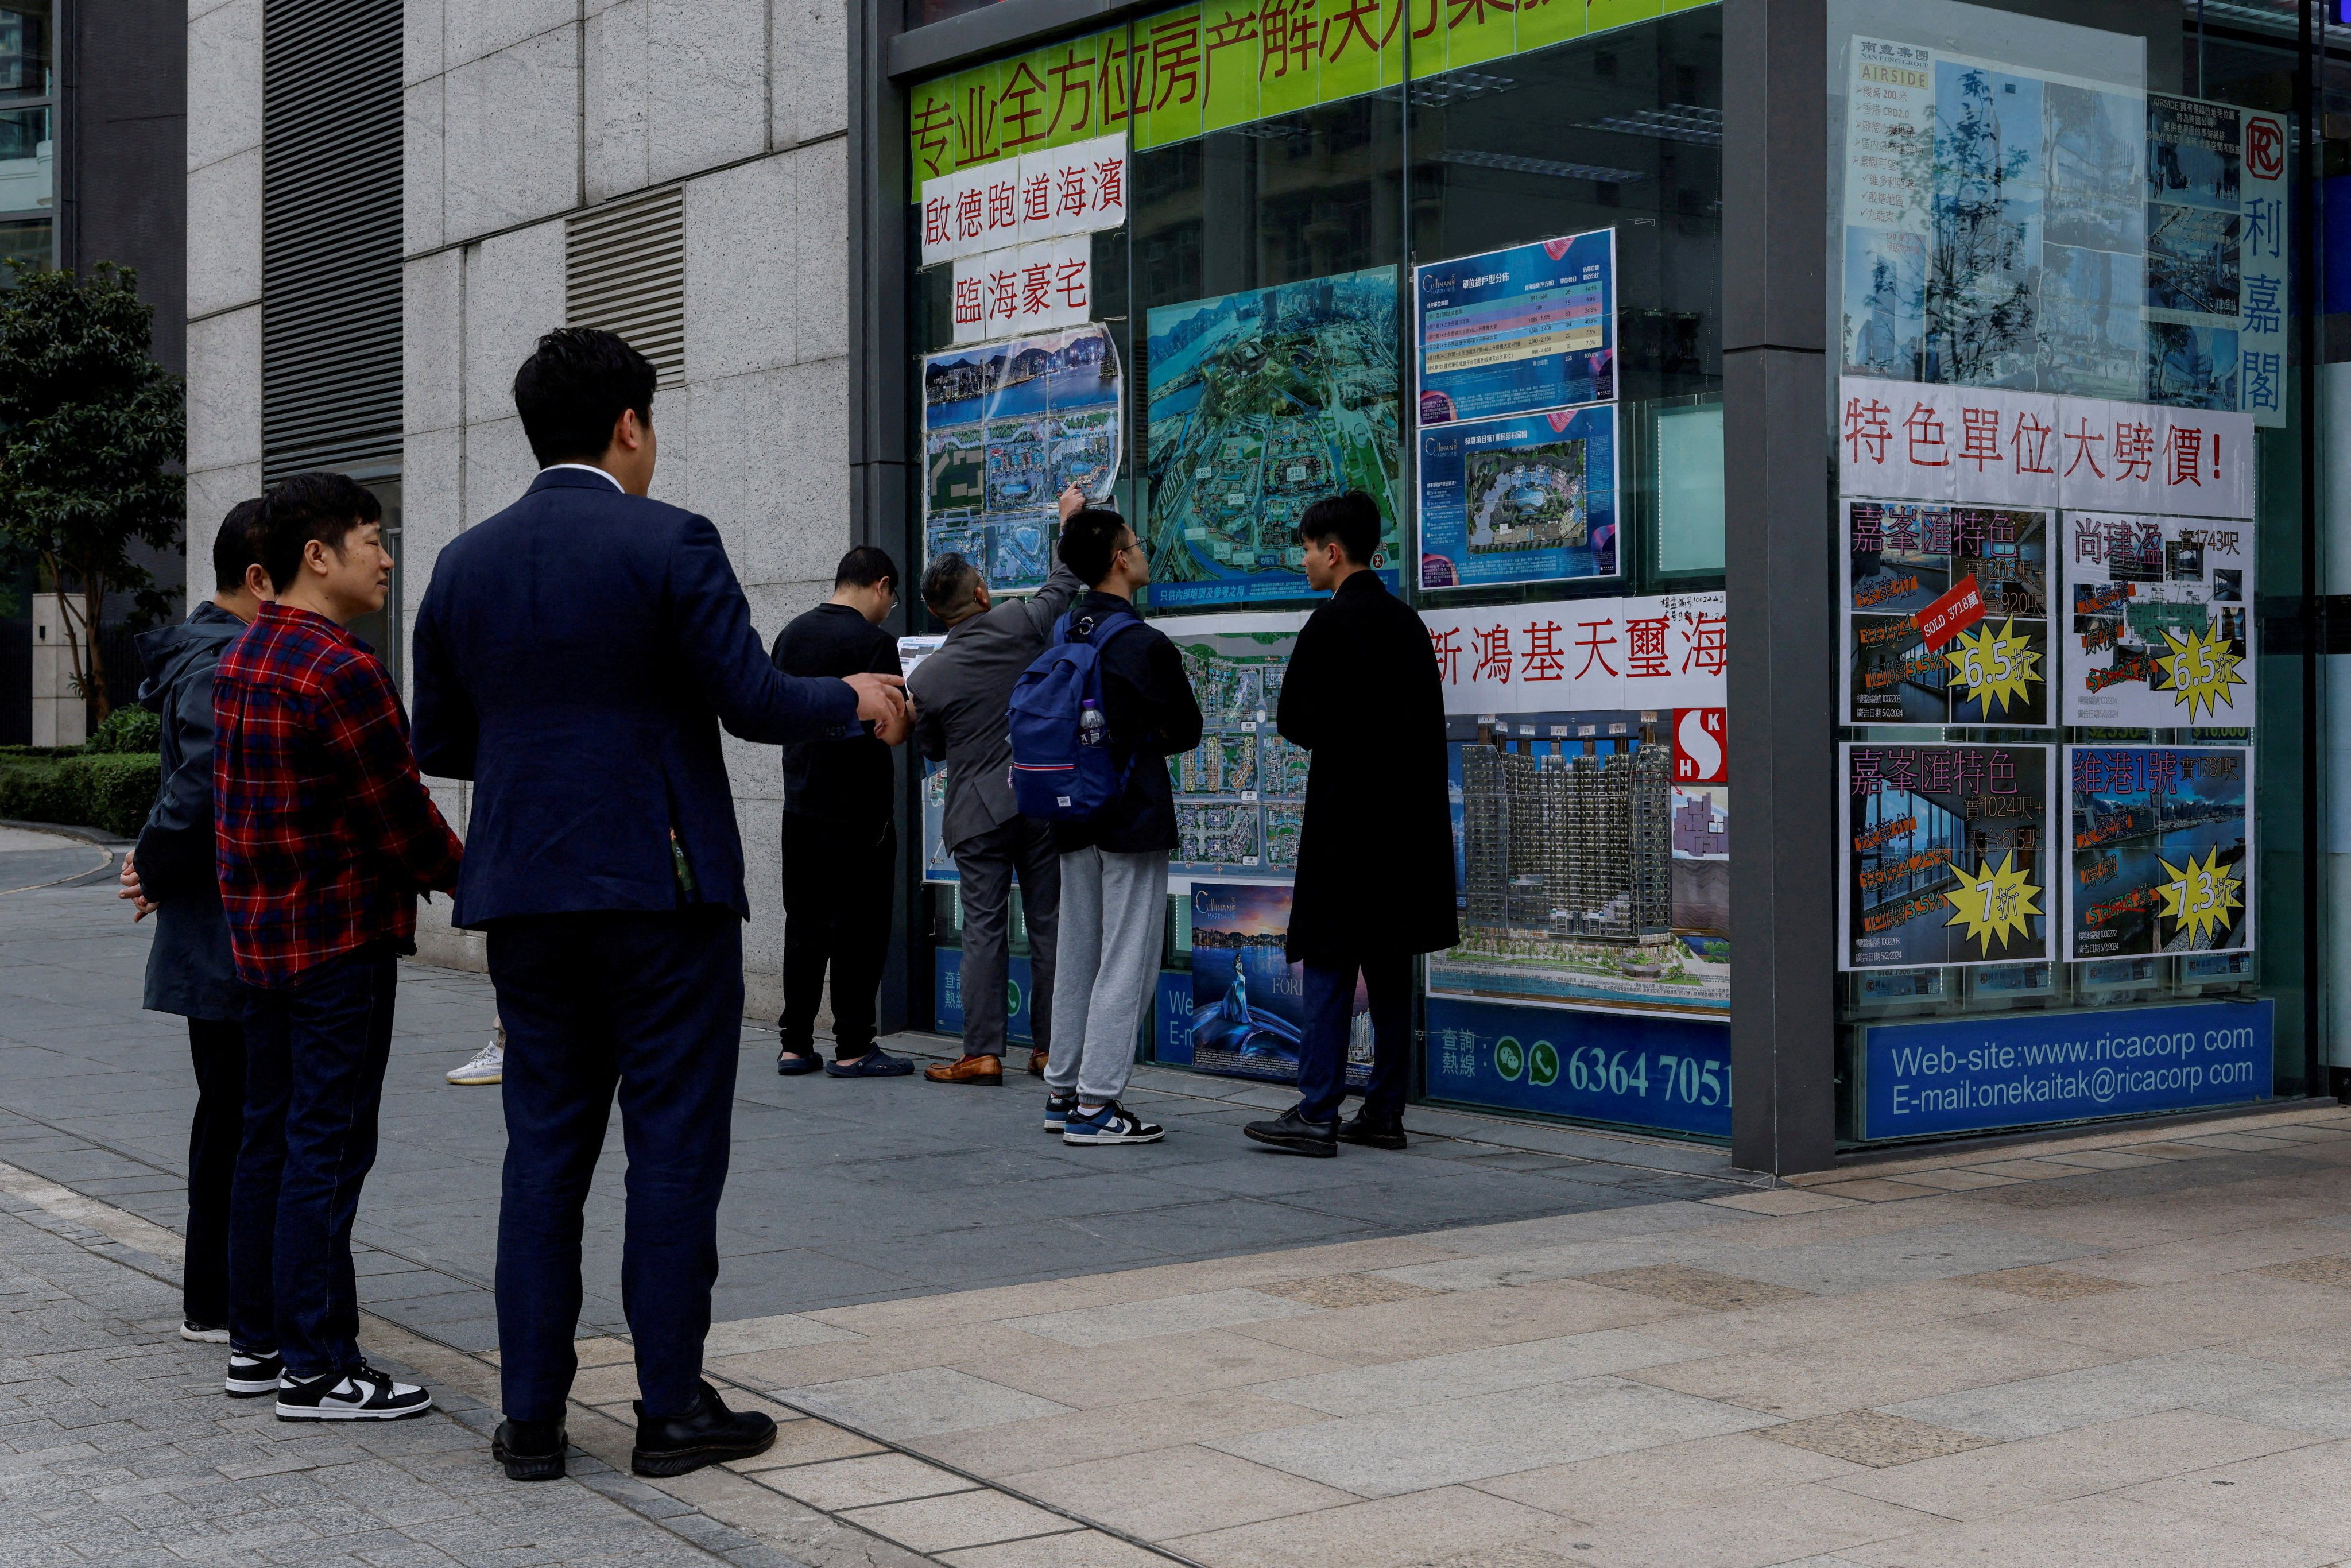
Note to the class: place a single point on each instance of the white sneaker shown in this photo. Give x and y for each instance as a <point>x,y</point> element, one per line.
<point>489,1067</point>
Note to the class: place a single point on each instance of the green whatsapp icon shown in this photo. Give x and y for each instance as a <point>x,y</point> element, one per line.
<point>1542,1070</point>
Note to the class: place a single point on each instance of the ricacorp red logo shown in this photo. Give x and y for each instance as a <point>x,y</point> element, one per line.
<point>2265,147</point>
<point>1701,746</point>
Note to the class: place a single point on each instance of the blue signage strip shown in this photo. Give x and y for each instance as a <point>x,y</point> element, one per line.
<point>949,994</point>
<point>2026,1069</point>
<point>1671,1075</point>
<point>1171,1019</point>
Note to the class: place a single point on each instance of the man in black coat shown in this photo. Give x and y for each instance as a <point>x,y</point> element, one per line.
<point>170,875</point>
<point>1375,853</point>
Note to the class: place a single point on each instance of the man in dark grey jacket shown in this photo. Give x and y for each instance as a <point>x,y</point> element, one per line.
<point>961,694</point>
<point>171,873</point>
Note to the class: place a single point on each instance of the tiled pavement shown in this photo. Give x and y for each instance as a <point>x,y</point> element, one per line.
<point>2125,1347</point>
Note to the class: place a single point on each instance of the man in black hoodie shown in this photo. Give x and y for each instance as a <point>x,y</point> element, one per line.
<point>171,873</point>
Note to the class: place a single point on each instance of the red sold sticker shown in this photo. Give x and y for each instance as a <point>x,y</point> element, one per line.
<point>1958,609</point>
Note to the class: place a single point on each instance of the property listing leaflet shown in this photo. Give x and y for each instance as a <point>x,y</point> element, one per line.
<point>1946,614</point>
<point>2161,855</point>
<point>2160,628</point>
<point>1946,855</point>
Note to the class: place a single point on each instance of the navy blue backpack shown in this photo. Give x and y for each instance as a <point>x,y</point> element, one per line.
<point>1062,767</point>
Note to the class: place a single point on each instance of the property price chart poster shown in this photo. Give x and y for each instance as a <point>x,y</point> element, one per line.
<point>2161,859</point>
<point>2160,634</point>
<point>1946,855</point>
<point>1531,499</point>
<point>1515,330</point>
<point>1946,614</point>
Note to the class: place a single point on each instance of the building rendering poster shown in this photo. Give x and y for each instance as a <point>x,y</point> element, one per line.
<point>2162,840</point>
<point>1531,499</point>
<point>1248,1008</point>
<point>1946,855</point>
<point>1005,428</point>
<point>1261,403</point>
<point>1592,853</point>
<point>1240,794</point>
<point>1946,614</point>
<point>1513,331</point>
<point>2160,634</point>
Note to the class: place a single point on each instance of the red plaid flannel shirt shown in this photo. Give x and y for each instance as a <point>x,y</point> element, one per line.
<point>326,833</point>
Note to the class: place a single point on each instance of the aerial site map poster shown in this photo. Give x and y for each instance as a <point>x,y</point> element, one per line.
<point>1240,794</point>
<point>1515,330</point>
<point>1946,855</point>
<point>1261,403</point>
<point>1525,499</point>
<point>1248,1001</point>
<point>1946,614</point>
<point>1005,428</point>
<point>2162,622</point>
<point>2162,850</point>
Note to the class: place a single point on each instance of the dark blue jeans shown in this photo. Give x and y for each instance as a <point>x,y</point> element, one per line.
<point>650,1006</point>
<point>314,1059</point>
<point>1323,1052</point>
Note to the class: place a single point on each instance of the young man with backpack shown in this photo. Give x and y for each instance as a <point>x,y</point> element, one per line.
<point>1093,721</point>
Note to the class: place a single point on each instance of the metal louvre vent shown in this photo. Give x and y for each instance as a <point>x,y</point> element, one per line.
<point>330,236</point>
<point>624,271</point>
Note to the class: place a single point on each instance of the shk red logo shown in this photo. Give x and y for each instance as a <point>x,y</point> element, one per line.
<point>2265,147</point>
<point>1701,746</point>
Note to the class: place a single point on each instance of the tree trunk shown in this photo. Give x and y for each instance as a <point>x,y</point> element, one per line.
<point>93,596</point>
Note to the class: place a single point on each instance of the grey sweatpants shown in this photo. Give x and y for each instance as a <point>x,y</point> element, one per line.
<point>1113,915</point>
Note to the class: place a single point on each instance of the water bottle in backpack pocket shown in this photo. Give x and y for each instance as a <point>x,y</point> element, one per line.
<point>1063,768</point>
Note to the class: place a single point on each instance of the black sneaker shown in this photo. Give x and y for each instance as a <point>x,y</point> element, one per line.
<point>363,1395</point>
<point>195,1333</point>
<point>530,1450</point>
<point>1114,1124</point>
<point>707,1434</point>
<point>1058,1108</point>
<point>1294,1134</point>
<point>251,1376</point>
<point>1372,1132</point>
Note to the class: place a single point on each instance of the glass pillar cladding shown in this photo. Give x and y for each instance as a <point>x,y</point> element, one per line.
<point>1299,183</point>
<point>2068,293</point>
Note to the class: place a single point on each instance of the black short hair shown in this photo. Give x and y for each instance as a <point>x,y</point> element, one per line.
<point>1090,542</point>
<point>950,583</point>
<point>864,566</point>
<point>1353,520</point>
<point>237,545</point>
<point>322,506</point>
<point>572,389</point>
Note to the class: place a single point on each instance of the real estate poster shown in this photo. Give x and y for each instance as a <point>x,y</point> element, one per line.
<point>1531,499</point>
<point>1511,331</point>
<point>2162,858</point>
<point>1945,855</point>
<point>1946,614</point>
<point>1005,428</point>
<point>1261,403</point>
<point>1248,1001</point>
<point>1240,794</point>
<point>2160,634</point>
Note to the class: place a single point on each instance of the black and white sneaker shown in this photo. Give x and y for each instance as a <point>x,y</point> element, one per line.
<point>1112,1124</point>
<point>1058,1108</point>
<point>365,1395</point>
<point>251,1376</point>
<point>195,1333</point>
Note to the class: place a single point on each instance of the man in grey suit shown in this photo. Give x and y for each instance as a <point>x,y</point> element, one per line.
<point>960,696</point>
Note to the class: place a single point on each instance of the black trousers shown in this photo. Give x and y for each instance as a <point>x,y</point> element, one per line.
<point>217,1048</point>
<point>838,881</point>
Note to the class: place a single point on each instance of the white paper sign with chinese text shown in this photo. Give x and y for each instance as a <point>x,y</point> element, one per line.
<point>1028,288</point>
<point>1073,189</point>
<point>1667,651</point>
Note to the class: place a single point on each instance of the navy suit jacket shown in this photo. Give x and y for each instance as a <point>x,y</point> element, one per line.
<point>575,656</point>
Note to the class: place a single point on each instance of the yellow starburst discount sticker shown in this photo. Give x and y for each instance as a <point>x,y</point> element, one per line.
<point>1994,904</point>
<point>2199,670</point>
<point>1995,665</point>
<point>2198,895</point>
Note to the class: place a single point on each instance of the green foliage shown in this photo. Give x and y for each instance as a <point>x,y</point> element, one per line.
<point>127,729</point>
<point>110,791</point>
<point>91,434</point>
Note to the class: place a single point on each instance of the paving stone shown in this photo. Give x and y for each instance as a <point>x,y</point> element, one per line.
<point>1696,1287</point>
<point>2045,1284</point>
<point>1873,1437</point>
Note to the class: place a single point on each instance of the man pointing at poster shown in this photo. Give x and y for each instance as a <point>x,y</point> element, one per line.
<point>1375,853</point>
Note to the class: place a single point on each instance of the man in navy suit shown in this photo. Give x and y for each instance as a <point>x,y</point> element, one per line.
<point>576,656</point>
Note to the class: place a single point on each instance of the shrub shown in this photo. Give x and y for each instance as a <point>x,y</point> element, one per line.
<point>35,789</point>
<point>130,728</point>
<point>110,791</point>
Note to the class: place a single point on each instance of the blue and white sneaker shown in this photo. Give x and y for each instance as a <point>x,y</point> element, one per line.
<point>1058,1108</point>
<point>1114,1124</point>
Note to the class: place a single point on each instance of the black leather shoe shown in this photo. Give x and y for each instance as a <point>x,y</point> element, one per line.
<point>1295,1134</point>
<point>708,1435</point>
<point>530,1450</point>
<point>1373,1132</point>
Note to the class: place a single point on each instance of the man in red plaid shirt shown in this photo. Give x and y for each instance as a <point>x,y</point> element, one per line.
<point>326,836</point>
